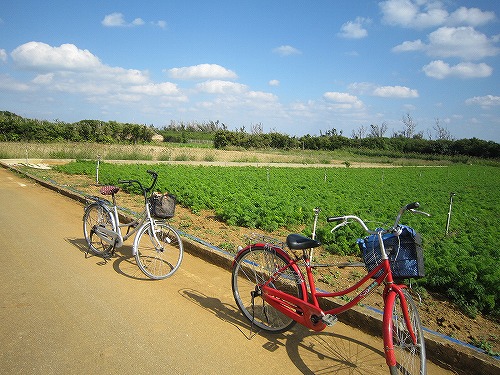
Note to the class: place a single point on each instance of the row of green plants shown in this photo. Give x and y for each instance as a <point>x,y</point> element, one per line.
<point>462,264</point>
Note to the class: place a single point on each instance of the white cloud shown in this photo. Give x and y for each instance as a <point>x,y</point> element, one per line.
<point>395,92</point>
<point>409,13</point>
<point>484,101</point>
<point>354,29</point>
<point>70,70</point>
<point>340,97</point>
<point>202,71</point>
<point>161,24</point>
<point>362,88</point>
<point>44,79</point>
<point>41,56</point>
<point>368,88</point>
<point>165,88</point>
<point>137,22</point>
<point>113,20</point>
<point>262,96</point>
<point>8,83</point>
<point>409,46</point>
<point>3,55</point>
<point>470,16</point>
<point>286,51</point>
<point>462,42</point>
<point>440,70</point>
<point>117,20</point>
<point>221,87</point>
<point>274,82</point>
<point>431,13</point>
<point>343,100</point>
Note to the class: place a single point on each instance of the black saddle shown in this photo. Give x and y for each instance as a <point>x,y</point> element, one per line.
<point>300,242</point>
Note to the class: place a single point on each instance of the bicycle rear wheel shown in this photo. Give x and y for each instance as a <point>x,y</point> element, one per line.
<point>97,215</point>
<point>252,268</point>
<point>158,258</point>
<point>410,357</point>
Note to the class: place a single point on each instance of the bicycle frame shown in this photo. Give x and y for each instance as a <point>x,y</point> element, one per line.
<point>308,312</point>
<point>115,237</point>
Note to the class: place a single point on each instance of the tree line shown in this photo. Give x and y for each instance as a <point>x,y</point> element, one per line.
<point>373,142</point>
<point>383,145</point>
<point>16,128</point>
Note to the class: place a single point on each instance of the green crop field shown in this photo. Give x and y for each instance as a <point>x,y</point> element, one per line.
<point>462,264</point>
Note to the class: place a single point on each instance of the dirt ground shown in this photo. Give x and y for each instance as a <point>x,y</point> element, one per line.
<point>437,313</point>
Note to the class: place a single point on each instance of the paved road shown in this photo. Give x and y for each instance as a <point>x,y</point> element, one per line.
<point>63,313</point>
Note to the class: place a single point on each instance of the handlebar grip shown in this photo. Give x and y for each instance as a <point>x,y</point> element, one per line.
<point>333,219</point>
<point>412,206</point>
<point>124,181</point>
<point>152,173</point>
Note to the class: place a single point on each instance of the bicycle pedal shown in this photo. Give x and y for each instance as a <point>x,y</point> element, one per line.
<point>329,319</point>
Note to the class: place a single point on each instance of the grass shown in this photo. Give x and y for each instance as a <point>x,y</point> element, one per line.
<point>204,152</point>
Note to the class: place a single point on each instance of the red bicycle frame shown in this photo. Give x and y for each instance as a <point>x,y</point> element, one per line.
<point>307,310</point>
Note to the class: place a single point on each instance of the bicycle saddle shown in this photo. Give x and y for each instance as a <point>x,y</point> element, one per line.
<point>109,190</point>
<point>300,242</point>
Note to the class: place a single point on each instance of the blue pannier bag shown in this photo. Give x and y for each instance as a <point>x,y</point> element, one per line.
<point>404,251</point>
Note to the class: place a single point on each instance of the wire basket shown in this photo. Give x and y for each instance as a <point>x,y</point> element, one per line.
<point>405,253</point>
<point>162,206</point>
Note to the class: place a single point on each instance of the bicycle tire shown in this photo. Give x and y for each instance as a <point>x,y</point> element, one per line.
<point>410,358</point>
<point>97,215</point>
<point>158,262</point>
<point>253,267</point>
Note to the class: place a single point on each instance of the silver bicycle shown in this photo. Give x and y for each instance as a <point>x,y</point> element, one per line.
<point>157,247</point>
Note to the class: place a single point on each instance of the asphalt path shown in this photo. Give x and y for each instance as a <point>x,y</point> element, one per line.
<point>62,312</point>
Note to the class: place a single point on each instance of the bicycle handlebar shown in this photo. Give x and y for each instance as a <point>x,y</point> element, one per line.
<point>344,219</point>
<point>153,174</point>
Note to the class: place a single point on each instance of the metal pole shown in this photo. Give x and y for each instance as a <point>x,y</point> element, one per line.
<point>97,170</point>
<point>316,214</point>
<point>449,212</point>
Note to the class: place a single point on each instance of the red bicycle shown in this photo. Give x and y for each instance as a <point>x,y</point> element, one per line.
<point>271,290</point>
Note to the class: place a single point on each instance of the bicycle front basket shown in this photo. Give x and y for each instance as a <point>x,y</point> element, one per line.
<point>404,251</point>
<point>162,206</point>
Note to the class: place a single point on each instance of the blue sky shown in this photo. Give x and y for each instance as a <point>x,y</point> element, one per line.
<point>296,67</point>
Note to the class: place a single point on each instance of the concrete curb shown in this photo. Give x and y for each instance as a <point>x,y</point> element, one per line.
<point>446,352</point>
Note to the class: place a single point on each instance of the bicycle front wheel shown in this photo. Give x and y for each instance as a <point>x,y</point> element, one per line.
<point>409,355</point>
<point>96,215</point>
<point>253,267</point>
<point>158,254</point>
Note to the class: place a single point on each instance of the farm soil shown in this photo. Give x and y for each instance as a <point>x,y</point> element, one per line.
<point>437,313</point>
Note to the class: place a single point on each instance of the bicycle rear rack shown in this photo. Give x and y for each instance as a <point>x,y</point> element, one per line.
<point>261,238</point>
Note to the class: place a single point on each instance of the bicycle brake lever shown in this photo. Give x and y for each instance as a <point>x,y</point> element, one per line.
<point>344,223</point>
<point>420,212</point>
